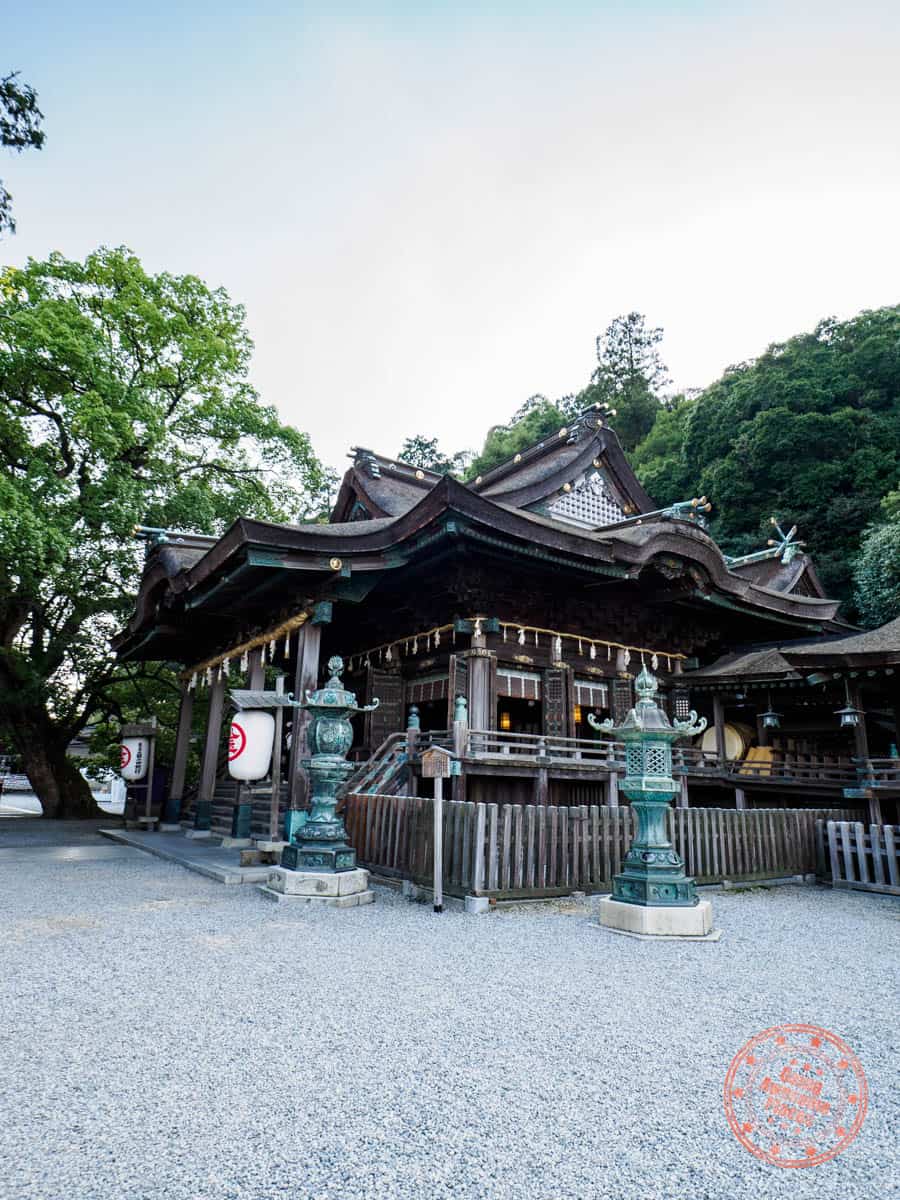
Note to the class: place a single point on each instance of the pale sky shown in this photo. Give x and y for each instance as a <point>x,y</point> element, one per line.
<point>430,211</point>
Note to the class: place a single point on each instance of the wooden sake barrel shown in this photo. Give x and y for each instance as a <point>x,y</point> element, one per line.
<point>738,737</point>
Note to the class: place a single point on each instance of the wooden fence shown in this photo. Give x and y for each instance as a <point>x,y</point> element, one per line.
<point>511,850</point>
<point>866,858</point>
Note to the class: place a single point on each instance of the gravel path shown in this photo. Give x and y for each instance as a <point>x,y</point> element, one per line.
<point>168,1037</point>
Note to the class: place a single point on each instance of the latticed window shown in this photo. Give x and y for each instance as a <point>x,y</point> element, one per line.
<point>657,761</point>
<point>682,703</point>
<point>589,503</point>
<point>634,760</point>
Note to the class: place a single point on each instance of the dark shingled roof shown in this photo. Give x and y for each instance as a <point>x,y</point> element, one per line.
<point>874,647</point>
<point>884,640</point>
<point>749,664</point>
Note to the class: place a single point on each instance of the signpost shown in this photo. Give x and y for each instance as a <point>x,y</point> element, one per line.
<point>437,764</point>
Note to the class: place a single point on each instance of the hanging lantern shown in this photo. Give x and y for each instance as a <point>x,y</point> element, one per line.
<point>437,638</point>
<point>521,638</point>
<point>250,741</point>
<point>770,719</point>
<point>134,755</point>
<point>850,716</point>
<point>593,652</point>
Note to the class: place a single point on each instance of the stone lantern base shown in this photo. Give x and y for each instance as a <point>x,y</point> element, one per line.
<point>658,920</point>
<point>342,889</point>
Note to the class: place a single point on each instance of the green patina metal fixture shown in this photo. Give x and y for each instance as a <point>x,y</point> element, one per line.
<point>319,842</point>
<point>653,872</point>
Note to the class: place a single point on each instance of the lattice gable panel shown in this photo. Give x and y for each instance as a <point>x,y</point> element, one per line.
<point>590,503</point>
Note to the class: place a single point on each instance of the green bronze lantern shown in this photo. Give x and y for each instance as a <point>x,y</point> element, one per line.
<point>653,871</point>
<point>319,842</point>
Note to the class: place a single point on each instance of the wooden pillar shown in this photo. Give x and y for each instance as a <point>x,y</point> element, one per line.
<point>542,778</point>
<point>612,790</point>
<point>740,799</point>
<point>210,755</point>
<point>182,749</point>
<point>719,723</point>
<point>306,677</point>
<point>480,684</point>
<point>275,800</point>
<point>762,732</point>
<point>256,673</point>
<point>860,733</point>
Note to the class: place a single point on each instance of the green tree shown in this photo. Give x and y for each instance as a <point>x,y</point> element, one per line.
<point>123,399</point>
<point>421,451</point>
<point>659,460</point>
<point>876,577</point>
<point>629,376</point>
<point>537,418</point>
<point>809,431</point>
<point>20,129</point>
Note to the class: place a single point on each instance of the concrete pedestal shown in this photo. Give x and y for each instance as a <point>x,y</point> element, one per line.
<point>169,827</point>
<point>656,920</point>
<point>342,889</point>
<point>229,842</point>
<point>194,834</point>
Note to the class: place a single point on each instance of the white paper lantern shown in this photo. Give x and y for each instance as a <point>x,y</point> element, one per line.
<point>134,758</point>
<point>250,744</point>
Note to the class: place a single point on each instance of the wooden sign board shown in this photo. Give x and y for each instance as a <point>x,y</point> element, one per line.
<point>436,763</point>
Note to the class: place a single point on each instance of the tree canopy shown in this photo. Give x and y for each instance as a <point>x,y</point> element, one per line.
<point>125,400</point>
<point>809,432</point>
<point>422,451</point>
<point>629,377</point>
<point>20,129</point>
<point>877,575</point>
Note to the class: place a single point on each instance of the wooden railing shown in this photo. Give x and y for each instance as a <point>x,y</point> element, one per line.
<point>880,773</point>
<point>496,743</point>
<point>500,746</point>
<point>864,857</point>
<point>497,747</point>
<point>528,850</point>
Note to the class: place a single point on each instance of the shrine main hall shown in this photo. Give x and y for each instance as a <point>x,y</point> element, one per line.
<point>493,616</point>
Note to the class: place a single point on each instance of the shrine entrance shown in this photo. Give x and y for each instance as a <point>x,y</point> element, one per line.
<point>515,715</point>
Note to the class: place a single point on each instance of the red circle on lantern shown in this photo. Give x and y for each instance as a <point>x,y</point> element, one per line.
<point>124,756</point>
<point>795,1095</point>
<point>237,741</point>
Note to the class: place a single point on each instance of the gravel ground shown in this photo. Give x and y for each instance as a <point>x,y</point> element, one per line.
<point>168,1037</point>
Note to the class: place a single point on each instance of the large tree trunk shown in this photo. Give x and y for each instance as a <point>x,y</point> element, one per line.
<point>57,782</point>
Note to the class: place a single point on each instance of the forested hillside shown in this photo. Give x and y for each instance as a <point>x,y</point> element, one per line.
<point>808,432</point>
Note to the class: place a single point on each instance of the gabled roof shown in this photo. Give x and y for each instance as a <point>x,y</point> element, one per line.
<point>375,486</point>
<point>798,577</point>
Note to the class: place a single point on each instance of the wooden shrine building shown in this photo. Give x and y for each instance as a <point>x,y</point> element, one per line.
<point>535,593</point>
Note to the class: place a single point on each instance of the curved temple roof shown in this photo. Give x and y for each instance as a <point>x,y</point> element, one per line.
<point>387,512</point>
